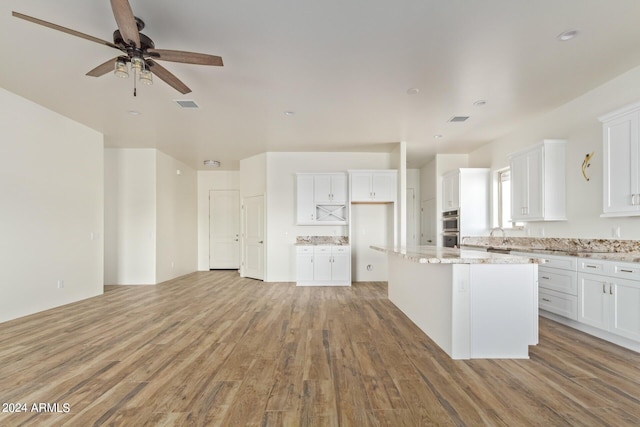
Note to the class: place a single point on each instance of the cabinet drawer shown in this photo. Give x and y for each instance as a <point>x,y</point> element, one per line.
<point>624,270</point>
<point>558,303</point>
<point>322,249</point>
<point>558,280</point>
<point>592,266</point>
<point>304,249</point>
<point>340,250</point>
<point>565,263</point>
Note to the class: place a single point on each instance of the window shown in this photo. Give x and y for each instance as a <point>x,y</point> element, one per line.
<point>504,200</point>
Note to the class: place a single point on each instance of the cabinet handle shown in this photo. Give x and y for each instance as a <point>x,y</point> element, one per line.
<point>610,289</point>
<point>626,271</point>
<point>591,266</point>
<point>546,278</point>
<point>545,299</point>
<point>604,290</point>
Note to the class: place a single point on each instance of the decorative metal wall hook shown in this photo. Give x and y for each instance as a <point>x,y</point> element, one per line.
<point>586,164</point>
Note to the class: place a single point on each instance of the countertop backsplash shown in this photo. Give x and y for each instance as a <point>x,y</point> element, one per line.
<point>322,240</point>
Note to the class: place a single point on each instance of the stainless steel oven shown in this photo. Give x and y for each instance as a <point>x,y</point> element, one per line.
<point>451,221</point>
<point>450,239</point>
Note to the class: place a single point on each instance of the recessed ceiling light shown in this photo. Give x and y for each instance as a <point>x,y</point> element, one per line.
<point>413,91</point>
<point>437,136</point>
<point>134,112</point>
<point>289,113</point>
<point>480,103</point>
<point>212,163</point>
<point>567,35</point>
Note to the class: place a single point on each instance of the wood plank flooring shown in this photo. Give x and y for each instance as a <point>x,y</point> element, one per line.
<point>212,349</point>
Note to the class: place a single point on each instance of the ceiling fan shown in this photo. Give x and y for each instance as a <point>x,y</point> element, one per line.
<point>138,50</point>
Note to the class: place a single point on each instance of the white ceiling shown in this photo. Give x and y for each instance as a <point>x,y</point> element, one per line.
<point>343,66</point>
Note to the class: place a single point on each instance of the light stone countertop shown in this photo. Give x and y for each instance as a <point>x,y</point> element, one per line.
<point>440,255</point>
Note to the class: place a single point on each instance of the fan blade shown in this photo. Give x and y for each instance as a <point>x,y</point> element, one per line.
<point>167,77</point>
<point>64,29</point>
<point>186,57</point>
<point>126,21</point>
<point>103,68</point>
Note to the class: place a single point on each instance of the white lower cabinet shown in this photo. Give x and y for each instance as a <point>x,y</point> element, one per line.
<point>558,285</point>
<point>607,301</point>
<point>323,265</point>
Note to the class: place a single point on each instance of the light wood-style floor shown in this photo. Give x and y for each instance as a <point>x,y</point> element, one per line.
<point>212,349</point>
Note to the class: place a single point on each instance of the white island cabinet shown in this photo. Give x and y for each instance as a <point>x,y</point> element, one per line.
<point>474,305</point>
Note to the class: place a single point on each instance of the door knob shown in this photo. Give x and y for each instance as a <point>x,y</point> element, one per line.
<point>261,242</point>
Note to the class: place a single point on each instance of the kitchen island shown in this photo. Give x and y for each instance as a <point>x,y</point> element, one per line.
<point>473,304</point>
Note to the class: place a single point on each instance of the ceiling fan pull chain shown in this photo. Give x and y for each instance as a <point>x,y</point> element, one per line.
<point>134,82</point>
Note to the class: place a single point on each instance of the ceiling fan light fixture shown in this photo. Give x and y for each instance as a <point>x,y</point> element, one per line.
<point>120,69</point>
<point>137,63</point>
<point>145,77</point>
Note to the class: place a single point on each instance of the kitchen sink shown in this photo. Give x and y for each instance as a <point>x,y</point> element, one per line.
<point>499,250</point>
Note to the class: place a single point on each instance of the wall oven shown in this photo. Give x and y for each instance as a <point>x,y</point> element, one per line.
<point>451,221</point>
<point>450,229</point>
<point>450,240</point>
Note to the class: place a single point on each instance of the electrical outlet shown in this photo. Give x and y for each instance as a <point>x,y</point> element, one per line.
<point>60,284</point>
<point>615,232</point>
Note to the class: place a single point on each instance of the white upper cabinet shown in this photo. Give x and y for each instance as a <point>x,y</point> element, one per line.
<point>373,186</point>
<point>305,212</point>
<point>451,191</point>
<point>330,188</point>
<point>321,199</point>
<point>621,160</point>
<point>538,188</point>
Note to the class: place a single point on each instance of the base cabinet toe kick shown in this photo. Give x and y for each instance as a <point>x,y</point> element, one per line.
<point>473,305</point>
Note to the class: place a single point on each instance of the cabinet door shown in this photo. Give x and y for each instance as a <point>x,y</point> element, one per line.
<point>339,188</point>
<point>340,271</point>
<point>451,192</point>
<point>305,208</point>
<point>621,164</point>
<point>519,187</point>
<point>535,185</point>
<point>322,188</point>
<point>361,187</point>
<point>383,186</point>
<point>304,267</point>
<point>322,266</point>
<point>593,300</point>
<point>625,312</point>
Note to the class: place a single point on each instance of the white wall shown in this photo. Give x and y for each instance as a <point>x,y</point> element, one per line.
<point>281,228</point>
<point>150,217</point>
<point>576,122</point>
<point>51,220</point>
<point>176,218</point>
<point>208,181</point>
<point>130,216</point>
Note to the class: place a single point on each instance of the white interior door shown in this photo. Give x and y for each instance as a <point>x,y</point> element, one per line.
<point>428,222</point>
<point>224,229</point>
<point>253,237</point>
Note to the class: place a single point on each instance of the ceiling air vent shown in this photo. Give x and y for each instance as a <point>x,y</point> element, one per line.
<point>458,118</point>
<point>186,103</point>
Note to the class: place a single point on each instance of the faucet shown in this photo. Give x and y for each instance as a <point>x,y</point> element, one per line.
<point>493,230</point>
